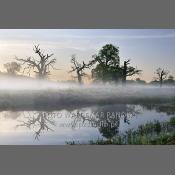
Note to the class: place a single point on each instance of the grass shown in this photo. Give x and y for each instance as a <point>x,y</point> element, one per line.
<point>152,133</point>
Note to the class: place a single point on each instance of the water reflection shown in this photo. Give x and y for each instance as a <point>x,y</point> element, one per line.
<point>168,108</point>
<point>107,122</point>
<point>107,118</point>
<point>11,115</point>
<point>39,122</point>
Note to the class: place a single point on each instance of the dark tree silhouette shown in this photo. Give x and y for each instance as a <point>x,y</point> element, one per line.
<point>78,68</point>
<point>107,62</point>
<point>139,81</point>
<point>41,65</point>
<point>12,68</point>
<point>128,71</point>
<point>161,75</point>
<point>108,65</point>
<point>171,78</point>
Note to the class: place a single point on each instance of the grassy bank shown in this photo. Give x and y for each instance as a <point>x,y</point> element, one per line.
<point>152,133</point>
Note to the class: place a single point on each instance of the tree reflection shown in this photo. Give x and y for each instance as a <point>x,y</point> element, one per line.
<point>167,108</point>
<point>113,116</point>
<point>107,118</point>
<point>39,122</point>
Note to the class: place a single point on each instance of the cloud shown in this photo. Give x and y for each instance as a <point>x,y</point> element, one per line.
<point>160,36</point>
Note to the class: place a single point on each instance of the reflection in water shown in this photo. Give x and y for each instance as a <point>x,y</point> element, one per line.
<point>168,108</point>
<point>113,119</point>
<point>11,115</point>
<point>38,122</point>
<point>107,118</point>
<point>107,122</point>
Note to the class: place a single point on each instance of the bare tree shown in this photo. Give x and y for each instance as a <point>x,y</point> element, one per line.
<point>40,66</point>
<point>161,75</point>
<point>128,71</point>
<point>12,68</point>
<point>78,68</point>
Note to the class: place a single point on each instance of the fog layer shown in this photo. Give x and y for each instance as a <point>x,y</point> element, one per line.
<point>24,93</point>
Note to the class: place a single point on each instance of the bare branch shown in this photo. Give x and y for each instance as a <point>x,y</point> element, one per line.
<point>42,66</point>
<point>78,68</point>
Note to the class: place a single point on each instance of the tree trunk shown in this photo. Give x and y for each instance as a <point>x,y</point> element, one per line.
<point>79,78</point>
<point>161,82</point>
<point>124,73</point>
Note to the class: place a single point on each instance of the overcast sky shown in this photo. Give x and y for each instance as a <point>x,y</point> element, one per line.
<point>147,49</point>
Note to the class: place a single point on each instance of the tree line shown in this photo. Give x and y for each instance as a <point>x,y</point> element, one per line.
<point>105,66</point>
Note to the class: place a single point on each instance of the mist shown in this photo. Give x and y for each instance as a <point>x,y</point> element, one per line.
<point>21,93</point>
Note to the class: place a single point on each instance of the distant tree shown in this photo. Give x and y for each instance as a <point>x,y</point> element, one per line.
<point>41,65</point>
<point>161,75</point>
<point>154,82</point>
<point>128,71</point>
<point>78,68</point>
<point>106,63</point>
<point>170,80</point>
<point>12,68</point>
<point>139,81</point>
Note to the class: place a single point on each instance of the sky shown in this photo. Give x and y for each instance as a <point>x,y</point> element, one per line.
<point>147,49</point>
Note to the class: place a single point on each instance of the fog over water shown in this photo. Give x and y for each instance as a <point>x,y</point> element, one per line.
<point>17,92</point>
<point>46,112</point>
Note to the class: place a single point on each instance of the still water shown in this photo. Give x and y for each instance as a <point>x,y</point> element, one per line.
<point>79,125</point>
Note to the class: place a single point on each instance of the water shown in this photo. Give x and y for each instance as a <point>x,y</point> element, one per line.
<point>80,124</point>
<point>46,112</point>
